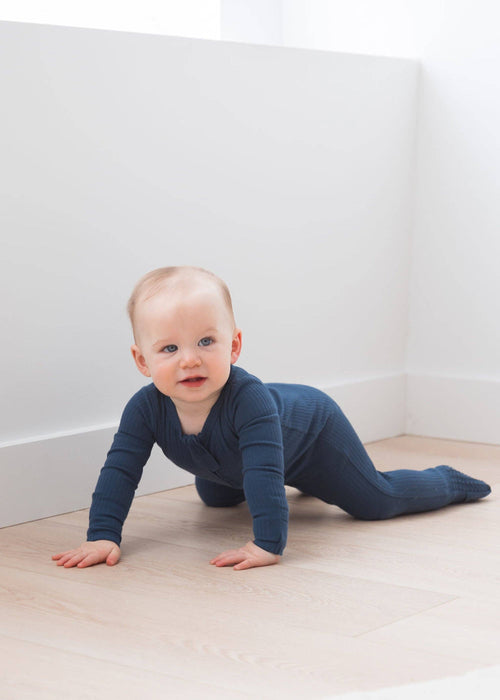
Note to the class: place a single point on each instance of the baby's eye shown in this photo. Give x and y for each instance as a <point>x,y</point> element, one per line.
<point>204,342</point>
<point>169,348</point>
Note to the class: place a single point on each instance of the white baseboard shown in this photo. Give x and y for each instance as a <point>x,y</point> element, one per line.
<point>57,474</point>
<point>455,408</point>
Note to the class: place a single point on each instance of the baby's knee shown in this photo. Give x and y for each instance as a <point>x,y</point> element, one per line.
<point>367,516</point>
<point>216,495</point>
<point>370,511</point>
<point>221,503</point>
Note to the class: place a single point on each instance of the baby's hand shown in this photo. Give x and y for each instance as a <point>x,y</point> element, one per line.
<point>88,554</point>
<point>246,557</point>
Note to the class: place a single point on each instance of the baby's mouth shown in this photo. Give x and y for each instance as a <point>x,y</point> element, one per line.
<point>193,381</point>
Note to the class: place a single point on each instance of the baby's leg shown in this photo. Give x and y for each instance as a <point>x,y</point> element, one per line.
<point>343,474</point>
<point>218,495</point>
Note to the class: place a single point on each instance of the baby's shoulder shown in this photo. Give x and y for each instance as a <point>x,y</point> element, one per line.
<point>244,385</point>
<point>145,403</point>
<point>246,394</point>
<point>145,395</point>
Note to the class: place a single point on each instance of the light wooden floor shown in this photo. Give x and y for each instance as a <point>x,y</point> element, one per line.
<point>353,605</point>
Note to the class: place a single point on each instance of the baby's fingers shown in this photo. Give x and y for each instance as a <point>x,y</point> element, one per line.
<point>96,557</point>
<point>246,564</point>
<point>55,557</point>
<point>88,554</point>
<point>71,558</point>
<point>63,557</point>
<point>89,559</point>
<point>232,556</point>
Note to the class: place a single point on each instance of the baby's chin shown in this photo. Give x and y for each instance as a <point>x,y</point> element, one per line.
<point>192,392</point>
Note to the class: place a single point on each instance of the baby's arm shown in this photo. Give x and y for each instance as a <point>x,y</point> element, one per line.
<point>88,554</point>
<point>257,424</point>
<point>114,491</point>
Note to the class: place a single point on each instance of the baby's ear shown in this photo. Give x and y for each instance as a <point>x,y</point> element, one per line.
<point>236,346</point>
<point>140,360</point>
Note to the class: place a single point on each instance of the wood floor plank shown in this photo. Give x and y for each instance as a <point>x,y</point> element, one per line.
<point>463,628</point>
<point>350,605</point>
<point>353,606</point>
<point>41,672</point>
<point>223,647</point>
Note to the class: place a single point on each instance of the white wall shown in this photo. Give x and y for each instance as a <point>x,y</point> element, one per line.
<point>454,341</point>
<point>453,359</point>
<point>287,172</point>
<point>191,18</point>
<point>374,27</point>
<point>256,22</point>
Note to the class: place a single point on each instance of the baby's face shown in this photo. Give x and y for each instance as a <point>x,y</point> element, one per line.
<point>186,342</point>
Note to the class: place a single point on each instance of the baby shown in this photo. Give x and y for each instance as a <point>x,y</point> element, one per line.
<point>242,439</point>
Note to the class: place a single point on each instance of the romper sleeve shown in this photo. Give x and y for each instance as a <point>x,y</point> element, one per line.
<point>258,427</point>
<point>122,471</point>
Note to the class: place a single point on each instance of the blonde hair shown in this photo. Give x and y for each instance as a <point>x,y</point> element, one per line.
<point>153,281</point>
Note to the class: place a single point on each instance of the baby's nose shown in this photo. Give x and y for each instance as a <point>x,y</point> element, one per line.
<point>190,359</point>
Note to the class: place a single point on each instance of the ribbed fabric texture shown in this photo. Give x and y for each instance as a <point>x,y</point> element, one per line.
<point>258,437</point>
<point>240,447</point>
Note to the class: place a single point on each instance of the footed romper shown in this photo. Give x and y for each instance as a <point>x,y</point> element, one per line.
<point>257,438</point>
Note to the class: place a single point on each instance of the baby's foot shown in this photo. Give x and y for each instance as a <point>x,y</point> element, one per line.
<point>466,488</point>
